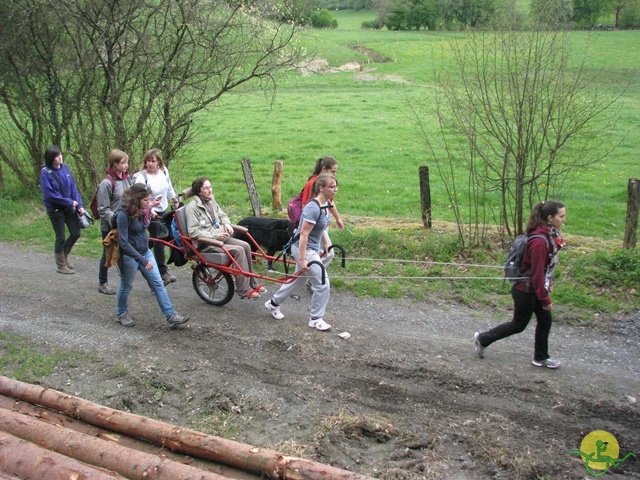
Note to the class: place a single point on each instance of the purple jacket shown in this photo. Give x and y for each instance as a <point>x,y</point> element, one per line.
<point>55,197</point>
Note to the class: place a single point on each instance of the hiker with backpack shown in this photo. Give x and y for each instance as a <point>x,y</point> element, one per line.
<point>63,203</point>
<point>155,176</point>
<point>312,240</point>
<point>326,165</point>
<point>531,291</point>
<point>108,198</point>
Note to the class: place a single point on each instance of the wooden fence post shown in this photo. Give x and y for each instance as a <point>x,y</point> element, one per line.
<point>276,186</point>
<point>251,187</point>
<point>633,206</point>
<point>425,196</point>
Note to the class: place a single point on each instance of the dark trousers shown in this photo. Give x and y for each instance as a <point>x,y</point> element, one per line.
<point>103,272</point>
<point>525,305</point>
<point>59,218</point>
<point>155,229</point>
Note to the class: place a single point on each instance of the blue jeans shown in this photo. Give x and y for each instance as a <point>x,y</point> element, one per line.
<point>127,268</point>
<point>59,218</point>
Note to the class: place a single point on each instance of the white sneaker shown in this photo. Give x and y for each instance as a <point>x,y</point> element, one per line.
<point>320,324</point>
<point>275,311</point>
<point>549,363</point>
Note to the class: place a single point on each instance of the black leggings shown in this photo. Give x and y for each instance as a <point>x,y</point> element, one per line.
<point>525,305</point>
<point>59,218</point>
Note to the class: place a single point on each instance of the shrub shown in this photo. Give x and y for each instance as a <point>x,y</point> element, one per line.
<point>323,19</point>
<point>371,25</point>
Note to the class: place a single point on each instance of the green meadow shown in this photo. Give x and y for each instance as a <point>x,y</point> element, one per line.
<point>363,119</point>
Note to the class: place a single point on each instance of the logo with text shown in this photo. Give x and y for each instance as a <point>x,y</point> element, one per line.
<point>600,452</point>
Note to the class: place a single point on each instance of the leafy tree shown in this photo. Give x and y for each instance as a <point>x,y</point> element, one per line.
<point>398,17</point>
<point>556,14</point>
<point>297,12</point>
<point>587,12</point>
<point>471,13</point>
<point>515,122</point>
<point>627,13</point>
<point>99,74</point>
<point>423,14</point>
<point>412,15</point>
<point>384,9</point>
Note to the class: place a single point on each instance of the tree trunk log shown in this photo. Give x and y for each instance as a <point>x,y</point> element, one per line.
<point>7,476</point>
<point>64,421</point>
<point>23,460</point>
<point>100,453</point>
<point>227,452</point>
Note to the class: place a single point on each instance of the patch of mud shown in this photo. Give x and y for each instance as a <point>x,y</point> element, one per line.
<point>319,66</point>
<point>372,55</point>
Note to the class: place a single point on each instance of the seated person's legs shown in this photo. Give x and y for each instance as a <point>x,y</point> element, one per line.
<point>242,282</point>
<point>243,258</point>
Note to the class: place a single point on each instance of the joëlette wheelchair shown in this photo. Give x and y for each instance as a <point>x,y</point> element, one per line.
<point>213,272</point>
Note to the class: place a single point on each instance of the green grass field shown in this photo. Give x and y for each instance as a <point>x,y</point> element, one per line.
<point>364,121</point>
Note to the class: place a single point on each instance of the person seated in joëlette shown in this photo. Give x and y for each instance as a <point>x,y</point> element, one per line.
<point>206,220</point>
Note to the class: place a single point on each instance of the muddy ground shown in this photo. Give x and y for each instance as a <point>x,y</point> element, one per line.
<point>405,397</point>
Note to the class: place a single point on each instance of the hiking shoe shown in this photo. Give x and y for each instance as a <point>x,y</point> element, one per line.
<point>320,324</point>
<point>106,289</point>
<point>125,320</point>
<point>275,310</point>
<point>167,278</point>
<point>549,363</point>
<point>174,320</point>
<point>479,347</point>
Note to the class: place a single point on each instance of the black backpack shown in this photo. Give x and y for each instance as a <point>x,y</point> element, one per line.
<point>514,257</point>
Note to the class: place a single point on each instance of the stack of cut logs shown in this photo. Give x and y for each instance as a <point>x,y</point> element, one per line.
<point>48,434</point>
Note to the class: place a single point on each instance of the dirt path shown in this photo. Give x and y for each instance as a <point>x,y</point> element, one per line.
<point>405,397</point>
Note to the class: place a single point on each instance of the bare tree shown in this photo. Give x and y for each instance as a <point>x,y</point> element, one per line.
<point>91,76</point>
<point>517,116</point>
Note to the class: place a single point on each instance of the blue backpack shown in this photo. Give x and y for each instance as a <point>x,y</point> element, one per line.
<point>176,232</point>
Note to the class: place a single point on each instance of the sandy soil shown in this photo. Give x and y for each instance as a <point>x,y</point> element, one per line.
<point>405,397</point>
